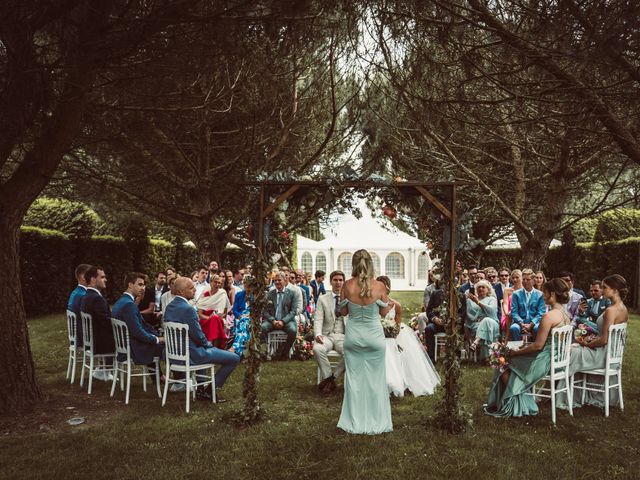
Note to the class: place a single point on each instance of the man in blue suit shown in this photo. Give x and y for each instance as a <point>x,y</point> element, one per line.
<point>527,308</point>
<point>144,340</point>
<point>73,304</point>
<point>317,285</point>
<point>200,349</point>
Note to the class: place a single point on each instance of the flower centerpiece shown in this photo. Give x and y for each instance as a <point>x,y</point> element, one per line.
<point>584,333</point>
<point>498,356</point>
<point>390,327</point>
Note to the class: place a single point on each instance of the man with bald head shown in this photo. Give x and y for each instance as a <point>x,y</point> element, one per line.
<point>200,349</point>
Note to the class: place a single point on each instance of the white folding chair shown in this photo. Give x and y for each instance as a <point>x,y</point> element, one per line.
<point>334,359</point>
<point>275,339</point>
<point>124,367</point>
<point>441,341</point>
<point>613,368</point>
<point>74,349</point>
<point>88,357</point>
<point>561,338</point>
<point>176,336</point>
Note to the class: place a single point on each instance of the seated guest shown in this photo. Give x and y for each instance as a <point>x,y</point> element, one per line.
<point>429,289</point>
<point>201,282</point>
<point>167,296</point>
<point>593,355</point>
<point>492,276</point>
<point>212,308</point>
<point>306,293</point>
<point>516,284</point>
<point>144,340</point>
<point>473,278</point>
<point>171,271</point>
<point>160,288</point>
<point>292,285</point>
<point>575,298</point>
<point>228,287</point>
<point>539,279</point>
<point>433,316</point>
<point>238,276</point>
<point>147,305</point>
<point>73,304</point>
<point>200,349</point>
<point>527,308</point>
<point>96,305</point>
<point>500,287</point>
<point>482,317</point>
<point>328,328</point>
<point>280,314</point>
<point>317,285</point>
<point>590,310</point>
<point>509,395</point>
<point>242,318</point>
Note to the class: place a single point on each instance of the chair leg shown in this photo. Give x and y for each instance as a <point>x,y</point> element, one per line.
<point>553,400</point>
<point>187,379</point>
<point>116,368</point>
<point>144,378</point>
<point>84,365</point>
<point>569,384</point>
<point>90,375</point>
<point>213,384</point>
<point>126,400</point>
<point>73,368</point>
<point>606,394</point>
<point>585,379</point>
<point>620,390</point>
<point>71,355</point>
<point>158,378</point>
<point>166,385</point>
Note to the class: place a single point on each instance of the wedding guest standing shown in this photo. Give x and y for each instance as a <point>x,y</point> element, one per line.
<point>509,392</point>
<point>317,285</point>
<point>365,405</point>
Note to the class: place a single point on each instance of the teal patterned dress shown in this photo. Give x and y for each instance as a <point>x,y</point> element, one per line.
<point>366,406</point>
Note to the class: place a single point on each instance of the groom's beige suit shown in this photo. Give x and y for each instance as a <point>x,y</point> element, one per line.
<point>331,329</point>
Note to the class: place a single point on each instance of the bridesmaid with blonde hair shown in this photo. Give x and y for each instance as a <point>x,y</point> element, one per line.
<point>365,406</point>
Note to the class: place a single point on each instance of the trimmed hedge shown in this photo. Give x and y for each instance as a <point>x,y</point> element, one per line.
<point>48,260</point>
<point>588,261</point>
<point>74,219</point>
<point>615,224</point>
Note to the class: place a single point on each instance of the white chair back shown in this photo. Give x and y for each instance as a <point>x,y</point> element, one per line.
<point>615,345</point>
<point>176,337</point>
<point>561,338</point>
<point>121,336</point>
<point>72,328</point>
<point>87,331</point>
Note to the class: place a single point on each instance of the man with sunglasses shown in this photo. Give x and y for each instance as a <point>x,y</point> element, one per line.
<point>502,284</point>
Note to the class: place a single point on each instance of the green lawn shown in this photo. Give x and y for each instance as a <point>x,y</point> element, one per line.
<point>298,438</point>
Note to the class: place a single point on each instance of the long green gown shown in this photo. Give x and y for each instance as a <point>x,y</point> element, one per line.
<point>511,400</point>
<point>365,407</point>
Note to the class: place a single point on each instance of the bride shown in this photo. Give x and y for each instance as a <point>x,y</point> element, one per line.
<point>408,366</point>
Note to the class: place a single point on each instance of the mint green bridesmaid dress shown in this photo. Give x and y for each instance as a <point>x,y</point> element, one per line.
<point>511,400</point>
<point>365,407</point>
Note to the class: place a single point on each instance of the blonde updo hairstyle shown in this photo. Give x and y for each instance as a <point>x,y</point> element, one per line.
<point>362,269</point>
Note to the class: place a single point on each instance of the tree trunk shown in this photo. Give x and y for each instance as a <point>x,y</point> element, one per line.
<point>17,375</point>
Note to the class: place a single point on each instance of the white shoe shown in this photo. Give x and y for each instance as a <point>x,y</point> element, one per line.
<point>103,375</point>
<point>178,387</point>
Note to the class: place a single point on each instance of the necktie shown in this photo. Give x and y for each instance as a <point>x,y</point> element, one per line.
<point>336,299</point>
<point>279,306</point>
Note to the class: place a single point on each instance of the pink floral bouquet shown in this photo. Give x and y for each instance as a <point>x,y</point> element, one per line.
<point>584,333</point>
<point>498,356</point>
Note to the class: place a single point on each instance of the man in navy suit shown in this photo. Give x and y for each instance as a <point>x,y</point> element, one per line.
<point>317,285</point>
<point>527,308</point>
<point>96,305</point>
<point>73,304</point>
<point>200,349</point>
<point>473,279</point>
<point>144,340</point>
<point>501,286</point>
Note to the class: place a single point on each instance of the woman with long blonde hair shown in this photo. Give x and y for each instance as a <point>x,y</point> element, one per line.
<point>365,405</point>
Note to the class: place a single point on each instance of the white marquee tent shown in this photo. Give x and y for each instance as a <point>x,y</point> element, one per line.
<point>403,258</point>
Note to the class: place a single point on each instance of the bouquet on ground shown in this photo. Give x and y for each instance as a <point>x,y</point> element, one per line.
<point>584,333</point>
<point>390,327</point>
<point>302,349</point>
<point>498,356</point>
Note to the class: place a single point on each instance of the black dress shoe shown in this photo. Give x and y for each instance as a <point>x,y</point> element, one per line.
<point>202,394</point>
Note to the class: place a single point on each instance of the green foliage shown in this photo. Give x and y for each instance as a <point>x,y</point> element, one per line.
<point>618,224</point>
<point>71,218</point>
<point>585,229</point>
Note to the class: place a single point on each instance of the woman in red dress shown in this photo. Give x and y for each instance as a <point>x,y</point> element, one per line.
<point>212,308</point>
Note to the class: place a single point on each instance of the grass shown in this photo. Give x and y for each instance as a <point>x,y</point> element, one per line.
<point>298,438</point>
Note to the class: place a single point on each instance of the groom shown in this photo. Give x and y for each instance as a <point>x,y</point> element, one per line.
<point>328,330</point>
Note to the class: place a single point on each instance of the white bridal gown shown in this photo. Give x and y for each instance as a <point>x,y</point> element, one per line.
<point>409,366</point>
